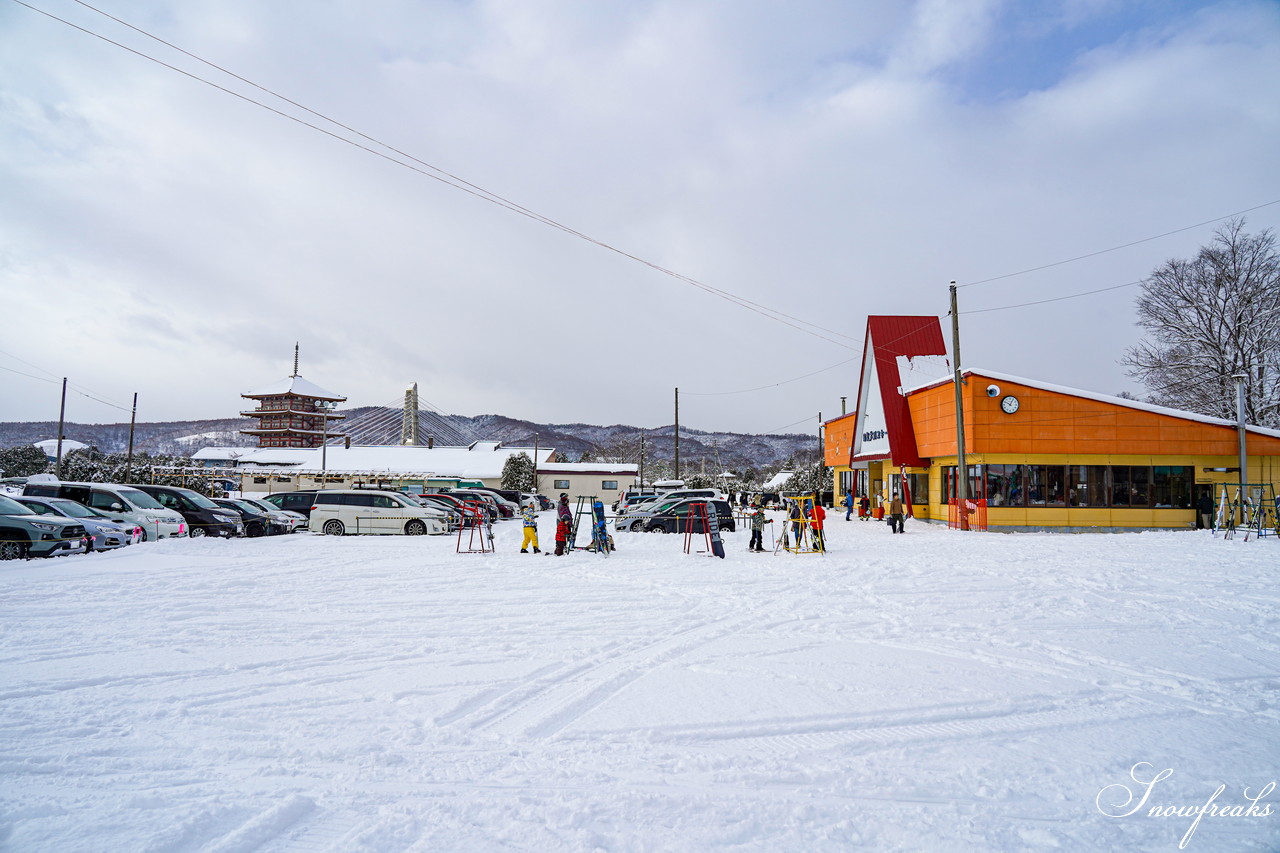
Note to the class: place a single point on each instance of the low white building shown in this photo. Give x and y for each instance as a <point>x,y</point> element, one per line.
<point>604,480</point>
<point>284,469</point>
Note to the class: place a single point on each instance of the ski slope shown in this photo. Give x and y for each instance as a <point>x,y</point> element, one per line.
<point>933,691</point>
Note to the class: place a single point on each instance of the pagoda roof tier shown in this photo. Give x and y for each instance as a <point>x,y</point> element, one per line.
<point>285,431</point>
<point>296,386</point>
<point>259,413</point>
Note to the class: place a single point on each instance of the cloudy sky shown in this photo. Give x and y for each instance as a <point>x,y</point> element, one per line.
<point>805,164</point>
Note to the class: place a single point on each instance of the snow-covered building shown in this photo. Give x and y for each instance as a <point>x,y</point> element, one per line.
<point>50,447</point>
<point>605,480</point>
<point>282,469</point>
<point>1040,455</point>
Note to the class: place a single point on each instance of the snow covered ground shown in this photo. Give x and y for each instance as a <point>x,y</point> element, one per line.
<point>934,691</point>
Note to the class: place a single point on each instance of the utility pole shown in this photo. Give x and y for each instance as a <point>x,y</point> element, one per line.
<point>1240,432</point>
<point>641,483</point>
<point>133,419</point>
<point>62,417</point>
<point>535,463</point>
<point>962,468</point>
<point>677,462</point>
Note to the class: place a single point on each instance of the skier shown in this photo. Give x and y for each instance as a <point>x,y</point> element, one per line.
<point>530,530</point>
<point>796,514</point>
<point>562,536</point>
<point>864,508</point>
<point>848,506</point>
<point>895,513</point>
<point>819,517</point>
<point>758,521</point>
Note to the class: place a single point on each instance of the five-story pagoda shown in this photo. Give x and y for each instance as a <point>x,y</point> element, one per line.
<point>293,412</point>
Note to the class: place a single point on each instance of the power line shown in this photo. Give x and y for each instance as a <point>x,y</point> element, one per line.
<point>773,385</point>
<point>441,175</point>
<point>1054,299</point>
<point>1117,248</point>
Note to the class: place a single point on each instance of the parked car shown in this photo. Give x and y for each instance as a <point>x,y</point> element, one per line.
<point>447,514</point>
<point>337,512</point>
<point>484,498</point>
<point>204,517</point>
<point>506,509</point>
<point>121,504</point>
<point>300,502</point>
<point>675,517</point>
<point>451,503</point>
<point>25,533</point>
<point>281,520</point>
<point>256,520</point>
<point>102,533</point>
<point>645,504</point>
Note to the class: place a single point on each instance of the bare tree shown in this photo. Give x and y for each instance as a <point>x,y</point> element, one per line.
<point>1209,318</point>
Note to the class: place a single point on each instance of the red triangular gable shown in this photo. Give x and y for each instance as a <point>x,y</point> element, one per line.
<point>887,340</point>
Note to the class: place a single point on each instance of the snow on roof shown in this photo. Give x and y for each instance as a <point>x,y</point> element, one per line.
<point>396,459</point>
<point>50,446</point>
<point>222,453</point>
<point>777,480</point>
<point>1093,395</point>
<point>588,468</point>
<point>295,385</point>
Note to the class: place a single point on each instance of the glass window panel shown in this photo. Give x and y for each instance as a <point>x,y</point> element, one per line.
<point>1055,485</point>
<point>1035,475</point>
<point>1119,485</point>
<point>1139,485</point>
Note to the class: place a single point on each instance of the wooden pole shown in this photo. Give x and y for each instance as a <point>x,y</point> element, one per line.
<point>62,418</point>
<point>962,468</point>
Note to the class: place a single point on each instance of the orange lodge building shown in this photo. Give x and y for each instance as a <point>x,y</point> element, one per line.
<point>1041,455</point>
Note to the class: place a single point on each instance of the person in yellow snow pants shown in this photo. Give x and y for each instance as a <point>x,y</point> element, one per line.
<point>530,530</point>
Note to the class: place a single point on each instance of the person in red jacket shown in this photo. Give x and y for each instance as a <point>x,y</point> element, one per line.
<point>819,516</point>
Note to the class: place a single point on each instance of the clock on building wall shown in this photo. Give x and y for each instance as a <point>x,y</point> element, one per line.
<point>1009,404</point>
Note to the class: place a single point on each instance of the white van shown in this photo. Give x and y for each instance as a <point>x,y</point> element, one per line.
<point>124,504</point>
<point>336,512</point>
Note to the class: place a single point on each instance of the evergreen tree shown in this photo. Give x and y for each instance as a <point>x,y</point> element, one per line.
<point>22,461</point>
<point>517,473</point>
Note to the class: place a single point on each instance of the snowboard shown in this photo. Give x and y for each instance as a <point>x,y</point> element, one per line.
<point>599,533</point>
<point>713,527</point>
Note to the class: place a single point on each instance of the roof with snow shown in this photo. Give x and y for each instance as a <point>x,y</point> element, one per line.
<point>221,454</point>
<point>777,480</point>
<point>1091,395</point>
<point>50,446</point>
<point>297,386</point>
<point>588,468</point>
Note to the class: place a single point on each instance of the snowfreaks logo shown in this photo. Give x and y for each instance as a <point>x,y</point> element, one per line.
<point>1118,800</point>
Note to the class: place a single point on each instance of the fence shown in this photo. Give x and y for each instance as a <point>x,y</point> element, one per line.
<point>974,519</point>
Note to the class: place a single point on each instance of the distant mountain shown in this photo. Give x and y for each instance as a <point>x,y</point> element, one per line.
<point>617,442</point>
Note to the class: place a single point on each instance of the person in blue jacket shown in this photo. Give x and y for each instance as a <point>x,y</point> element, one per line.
<point>848,506</point>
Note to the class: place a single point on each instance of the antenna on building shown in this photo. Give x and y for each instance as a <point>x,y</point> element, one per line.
<point>295,358</point>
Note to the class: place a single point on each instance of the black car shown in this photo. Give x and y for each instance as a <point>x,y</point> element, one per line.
<point>204,517</point>
<point>294,501</point>
<point>676,519</point>
<point>256,521</point>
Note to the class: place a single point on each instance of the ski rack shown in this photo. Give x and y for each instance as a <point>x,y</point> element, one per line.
<point>808,540</point>
<point>584,509</point>
<point>697,511</point>
<point>1257,512</point>
<point>479,527</point>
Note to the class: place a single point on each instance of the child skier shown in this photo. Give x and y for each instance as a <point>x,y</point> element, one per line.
<point>758,521</point>
<point>562,528</point>
<point>530,519</point>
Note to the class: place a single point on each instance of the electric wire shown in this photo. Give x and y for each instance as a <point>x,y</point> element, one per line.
<point>444,177</point>
<point>1118,248</point>
<point>1054,299</point>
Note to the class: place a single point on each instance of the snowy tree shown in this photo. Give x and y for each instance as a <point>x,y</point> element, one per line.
<point>517,473</point>
<point>1208,318</point>
<point>815,477</point>
<point>697,480</point>
<point>22,461</point>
